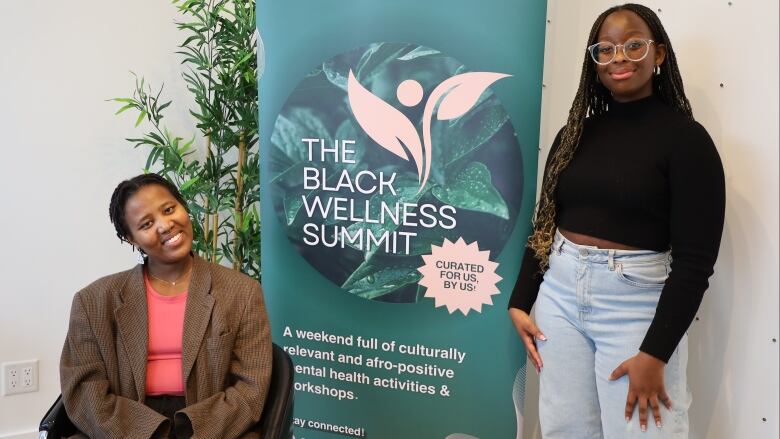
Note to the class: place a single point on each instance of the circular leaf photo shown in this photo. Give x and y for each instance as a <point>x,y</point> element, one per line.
<point>386,150</point>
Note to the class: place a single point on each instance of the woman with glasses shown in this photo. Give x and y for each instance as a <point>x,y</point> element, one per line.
<point>625,237</point>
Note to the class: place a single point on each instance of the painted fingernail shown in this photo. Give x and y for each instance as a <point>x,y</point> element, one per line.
<point>542,337</point>
<point>644,427</point>
<point>628,419</point>
<point>658,424</point>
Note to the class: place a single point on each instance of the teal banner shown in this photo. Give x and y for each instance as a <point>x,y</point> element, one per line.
<point>399,149</point>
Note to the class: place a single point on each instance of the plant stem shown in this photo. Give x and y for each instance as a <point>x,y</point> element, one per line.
<point>239,196</point>
<point>214,238</point>
<point>206,227</point>
<point>210,38</point>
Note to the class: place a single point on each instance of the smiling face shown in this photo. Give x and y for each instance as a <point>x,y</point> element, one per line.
<point>158,224</point>
<point>628,80</point>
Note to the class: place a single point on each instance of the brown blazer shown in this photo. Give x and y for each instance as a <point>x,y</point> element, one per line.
<point>226,356</point>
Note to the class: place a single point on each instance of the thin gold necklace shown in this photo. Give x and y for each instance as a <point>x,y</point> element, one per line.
<point>173,283</point>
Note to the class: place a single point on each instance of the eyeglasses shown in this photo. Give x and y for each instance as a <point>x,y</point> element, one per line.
<point>635,49</point>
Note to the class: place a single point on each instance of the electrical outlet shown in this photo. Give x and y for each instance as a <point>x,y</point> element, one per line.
<point>20,377</point>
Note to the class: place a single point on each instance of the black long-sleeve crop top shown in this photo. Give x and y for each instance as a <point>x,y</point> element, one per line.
<point>646,176</point>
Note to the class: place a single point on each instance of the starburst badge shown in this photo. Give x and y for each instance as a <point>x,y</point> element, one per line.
<point>459,276</point>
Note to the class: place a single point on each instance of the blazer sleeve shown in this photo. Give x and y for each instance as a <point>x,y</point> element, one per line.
<point>234,411</point>
<point>87,393</point>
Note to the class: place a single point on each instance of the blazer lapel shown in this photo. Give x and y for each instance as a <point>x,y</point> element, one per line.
<point>196,315</point>
<point>132,322</point>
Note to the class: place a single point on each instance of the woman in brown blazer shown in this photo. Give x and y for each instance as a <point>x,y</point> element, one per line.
<point>220,374</point>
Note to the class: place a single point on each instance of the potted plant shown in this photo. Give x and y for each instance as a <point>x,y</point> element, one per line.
<point>220,177</point>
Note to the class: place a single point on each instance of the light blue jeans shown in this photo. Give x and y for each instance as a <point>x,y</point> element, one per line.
<point>594,307</point>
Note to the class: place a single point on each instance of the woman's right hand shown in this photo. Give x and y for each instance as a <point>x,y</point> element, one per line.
<point>529,333</point>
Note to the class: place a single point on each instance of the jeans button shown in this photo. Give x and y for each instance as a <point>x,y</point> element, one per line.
<point>583,252</point>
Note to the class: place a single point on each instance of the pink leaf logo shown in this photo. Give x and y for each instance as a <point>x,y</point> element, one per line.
<point>462,92</point>
<point>384,124</point>
<point>457,95</point>
<point>392,130</point>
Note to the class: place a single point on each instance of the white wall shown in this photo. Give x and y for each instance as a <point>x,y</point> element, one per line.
<point>733,365</point>
<point>63,152</point>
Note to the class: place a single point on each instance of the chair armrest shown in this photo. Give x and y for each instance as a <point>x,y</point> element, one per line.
<point>276,421</point>
<point>55,423</point>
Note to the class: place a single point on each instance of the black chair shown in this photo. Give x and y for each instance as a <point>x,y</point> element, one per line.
<point>275,423</point>
<point>277,419</point>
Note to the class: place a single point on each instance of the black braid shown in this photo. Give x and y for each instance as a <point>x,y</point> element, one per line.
<point>668,85</point>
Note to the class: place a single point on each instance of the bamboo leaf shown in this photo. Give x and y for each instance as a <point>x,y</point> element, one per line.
<point>189,183</point>
<point>140,118</point>
<point>217,50</point>
<point>153,156</point>
<point>125,100</point>
<point>163,106</point>
<point>123,109</point>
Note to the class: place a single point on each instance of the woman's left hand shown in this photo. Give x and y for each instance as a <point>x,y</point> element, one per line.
<point>645,386</point>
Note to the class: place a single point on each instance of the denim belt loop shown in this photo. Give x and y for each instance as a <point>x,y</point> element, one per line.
<point>611,260</point>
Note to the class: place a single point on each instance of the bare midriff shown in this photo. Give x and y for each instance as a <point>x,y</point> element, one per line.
<point>579,238</point>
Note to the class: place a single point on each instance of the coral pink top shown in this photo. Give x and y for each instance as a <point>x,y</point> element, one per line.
<point>166,327</point>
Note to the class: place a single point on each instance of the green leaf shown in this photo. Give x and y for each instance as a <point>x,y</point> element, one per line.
<point>419,52</point>
<point>478,129</point>
<point>377,57</point>
<point>243,60</point>
<point>153,156</point>
<point>335,71</point>
<point>420,293</point>
<point>192,38</point>
<point>292,204</point>
<point>373,281</point>
<point>123,109</point>
<point>125,100</point>
<point>290,129</point>
<point>163,106</point>
<point>347,131</point>
<point>427,237</point>
<point>219,41</point>
<point>468,135</point>
<point>473,190</point>
<point>140,118</point>
<point>406,188</point>
<point>156,137</point>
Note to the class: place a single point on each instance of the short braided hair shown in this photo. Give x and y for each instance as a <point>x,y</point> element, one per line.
<point>592,99</point>
<point>128,188</point>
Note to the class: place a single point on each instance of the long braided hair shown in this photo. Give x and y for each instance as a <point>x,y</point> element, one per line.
<point>592,99</point>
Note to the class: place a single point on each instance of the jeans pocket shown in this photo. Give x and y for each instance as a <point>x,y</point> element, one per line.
<point>642,275</point>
